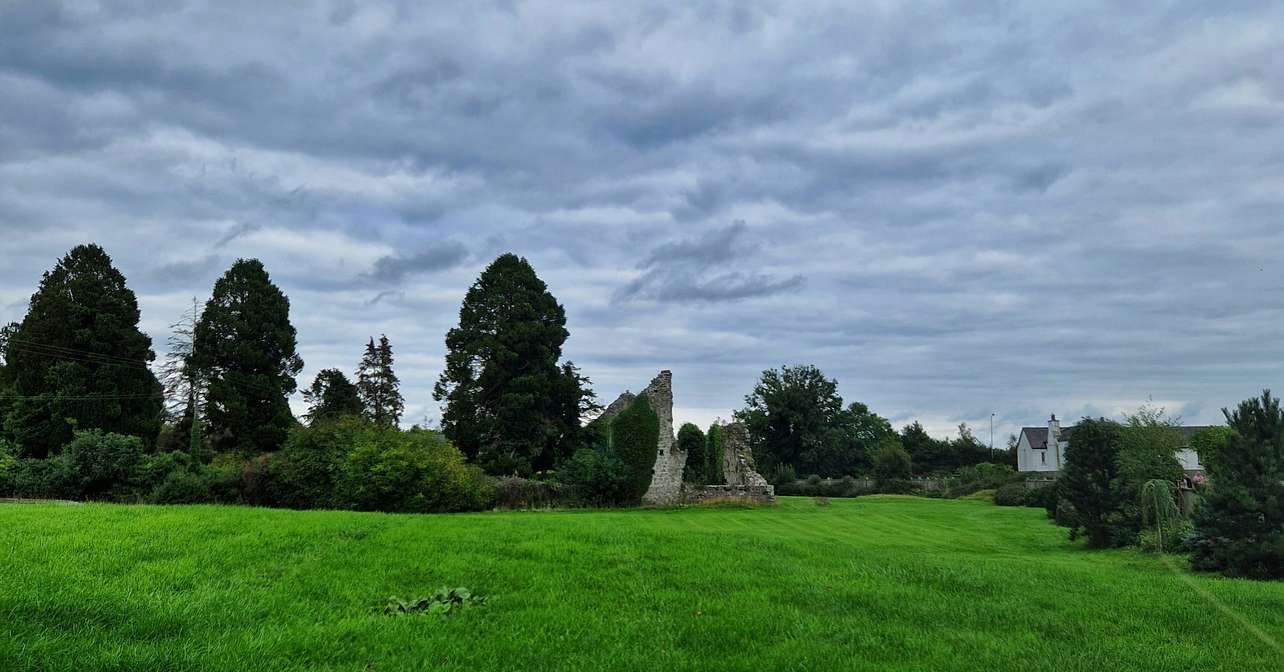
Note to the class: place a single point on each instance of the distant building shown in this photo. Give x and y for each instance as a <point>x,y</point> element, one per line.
<point>1044,448</point>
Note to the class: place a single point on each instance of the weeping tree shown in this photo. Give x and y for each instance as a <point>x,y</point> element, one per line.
<point>1159,507</point>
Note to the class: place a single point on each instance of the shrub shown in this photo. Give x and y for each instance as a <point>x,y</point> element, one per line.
<point>1043,497</point>
<point>416,471</point>
<point>980,496</point>
<point>635,432</point>
<point>101,464</point>
<point>1011,494</point>
<point>783,473</point>
<point>521,493</point>
<point>8,466</point>
<point>183,486</point>
<point>38,478</point>
<point>225,474</point>
<point>302,475</point>
<point>596,477</point>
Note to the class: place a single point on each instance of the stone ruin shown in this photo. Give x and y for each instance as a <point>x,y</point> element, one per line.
<point>667,487</point>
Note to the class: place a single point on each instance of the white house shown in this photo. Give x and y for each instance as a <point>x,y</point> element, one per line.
<point>1044,448</point>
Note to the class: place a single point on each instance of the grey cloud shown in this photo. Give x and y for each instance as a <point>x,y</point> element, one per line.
<point>1008,207</point>
<point>393,269</point>
<point>684,271</point>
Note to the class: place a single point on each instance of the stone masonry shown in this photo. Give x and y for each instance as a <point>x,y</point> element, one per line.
<point>667,489</point>
<point>743,482</point>
<point>666,479</point>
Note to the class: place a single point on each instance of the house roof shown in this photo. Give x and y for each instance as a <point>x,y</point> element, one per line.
<point>1038,436</point>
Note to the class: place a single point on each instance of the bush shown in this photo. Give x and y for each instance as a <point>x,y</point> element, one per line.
<point>1012,494</point>
<point>596,477</point>
<point>302,475</point>
<point>1176,535</point>
<point>37,478</point>
<point>8,467</point>
<point>782,474</point>
<point>183,486</point>
<point>225,473</point>
<point>416,471</point>
<point>522,493</point>
<point>102,464</point>
<point>1043,497</point>
<point>635,433</point>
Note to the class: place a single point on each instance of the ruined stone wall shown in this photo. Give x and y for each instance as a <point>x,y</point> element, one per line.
<point>737,459</point>
<point>753,494</point>
<point>666,478</point>
<point>743,482</point>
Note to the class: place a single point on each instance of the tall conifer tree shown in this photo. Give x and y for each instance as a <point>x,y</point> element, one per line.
<point>245,349</point>
<point>508,404</point>
<point>78,359</point>
<point>377,385</point>
<point>332,395</point>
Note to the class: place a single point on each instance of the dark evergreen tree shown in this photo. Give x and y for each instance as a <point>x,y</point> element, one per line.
<point>635,435</point>
<point>378,386</point>
<point>713,470</point>
<point>790,417</point>
<point>929,455</point>
<point>967,450</point>
<point>332,395</point>
<point>691,441</point>
<point>1239,528</point>
<point>508,405</point>
<point>245,351</point>
<point>7,392</point>
<point>1089,479</point>
<point>78,360</point>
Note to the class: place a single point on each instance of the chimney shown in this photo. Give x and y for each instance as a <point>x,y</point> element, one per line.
<point>1054,440</point>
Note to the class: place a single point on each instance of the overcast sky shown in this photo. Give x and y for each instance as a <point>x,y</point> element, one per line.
<point>953,209</point>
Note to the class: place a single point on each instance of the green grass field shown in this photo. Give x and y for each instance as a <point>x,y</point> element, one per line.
<point>875,583</point>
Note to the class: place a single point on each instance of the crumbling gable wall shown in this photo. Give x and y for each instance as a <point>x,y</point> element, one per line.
<point>666,478</point>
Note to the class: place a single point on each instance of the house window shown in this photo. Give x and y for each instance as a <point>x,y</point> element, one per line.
<point>1043,457</point>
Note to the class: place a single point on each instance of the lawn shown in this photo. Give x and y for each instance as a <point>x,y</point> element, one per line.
<point>875,583</point>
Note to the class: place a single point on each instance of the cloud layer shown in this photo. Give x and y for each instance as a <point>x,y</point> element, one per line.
<point>955,211</point>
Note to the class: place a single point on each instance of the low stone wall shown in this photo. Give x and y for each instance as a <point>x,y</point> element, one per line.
<point>756,494</point>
